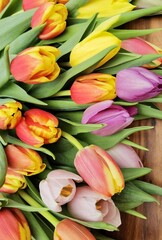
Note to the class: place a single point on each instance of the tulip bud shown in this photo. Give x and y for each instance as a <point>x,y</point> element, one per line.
<point>68,229</point>
<point>137,84</point>
<point>103,8</point>
<point>13,225</point>
<point>142,47</point>
<point>10,115</point>
<point>3,4</point>
<point>38,127</point>
<point>125,156</point>
<point>23,160</point>
<point>94,87</point>
<point>54,15</point>
<point>28,4</point>
<point>58,188</point>
<point>13,182</point>
<point>93,207</point>
<point>36,65</point>
<point>99,170</point>
<point>114,117</point>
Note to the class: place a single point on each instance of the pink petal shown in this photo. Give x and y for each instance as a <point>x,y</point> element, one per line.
<point>63,174</point>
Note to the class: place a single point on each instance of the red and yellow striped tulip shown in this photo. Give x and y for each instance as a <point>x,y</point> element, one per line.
<point>38,127</point>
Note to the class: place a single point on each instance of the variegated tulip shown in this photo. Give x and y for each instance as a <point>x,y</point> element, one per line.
<point>28,4</point>
<point>36,65</point>
<point>14,225</point>
<point>54,15</point>
<point>24,160</point>
<point>104,8</point>
<point>70,230</point>
<point>114,117</point>
<point>38,127</point>
<point>142,47</point>
<point>94,87</point>
<point>3,4</point>
<point>99,170</point>
<point>125,156</point>
<point>13,182</point>
<point>10,115</point>
<point>93,207</point>
<point>58,188</point>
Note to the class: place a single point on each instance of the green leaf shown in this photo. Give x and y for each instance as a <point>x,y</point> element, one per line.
<point>157,99</point>
<point>53,87</point>
<point>133,173</point>
<point>3,165</point>
<point>13,7</point>
<point>123,103</point>
<point>73,5</point>
<point>14,91</point>
<point>4,67</point>
<point>107,142</point>
<point>14,25</point>
<point>148,187</point>
<point>135,145</point>
<point>135,213</point>
<point>149,111</point>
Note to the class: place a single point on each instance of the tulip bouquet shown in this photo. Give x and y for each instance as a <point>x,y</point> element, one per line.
<point>71,85</point>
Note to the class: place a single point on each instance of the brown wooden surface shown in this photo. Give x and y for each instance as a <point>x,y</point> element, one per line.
<point>133,228</point>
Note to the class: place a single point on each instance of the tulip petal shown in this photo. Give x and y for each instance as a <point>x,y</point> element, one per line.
<point>63,174</point>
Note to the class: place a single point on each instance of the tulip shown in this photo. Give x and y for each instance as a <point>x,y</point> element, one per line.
<point>54,15</point>
<point>100,38</point>
<point>58,188</point>
<point>70,230</point>
<point>10,115</point>
<point>104,8</point>
<point>36,65</point>
<point>114,117</point>
<point>125,156</point>
<point>23,160</point>
<point>28,4</point>
<point>93,207</point>
<point>14,225</point>
<point>13,182</point>
<point>3,4</point>
<point>142,47</point>
<point>38,127</point>
<point>137,84</point>
<point>62,1</point>
<point>99,170</point>
<point>93,87</point>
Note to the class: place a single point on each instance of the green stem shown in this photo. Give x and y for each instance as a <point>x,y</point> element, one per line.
<point>72,140</point>
<point>63,93</point>
<point>33,203</point>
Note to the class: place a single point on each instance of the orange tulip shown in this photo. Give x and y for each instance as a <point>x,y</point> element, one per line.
<point>28,4</point>
<point>13,225</point>
<point>99,170</point>
<point>70,230</point>
<point>10,115</point>
<point>24,160</point>
<point>36,65</point>
<point>54,15</point>
<point>3,4</point>
<point>38,127</point>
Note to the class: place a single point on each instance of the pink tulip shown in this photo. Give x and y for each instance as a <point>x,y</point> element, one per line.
<point>125,156</point>
<point>93,207</point>
<point>58,188</point>
<point>29,4</point>
<point>99,170</point>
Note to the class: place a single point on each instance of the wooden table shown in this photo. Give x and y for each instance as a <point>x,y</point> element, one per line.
<point>133,228</point>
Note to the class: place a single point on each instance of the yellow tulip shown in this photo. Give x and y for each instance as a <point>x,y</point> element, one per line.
<point>104,8</point>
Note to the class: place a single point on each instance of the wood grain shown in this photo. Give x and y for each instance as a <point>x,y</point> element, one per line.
<point>133,228</point>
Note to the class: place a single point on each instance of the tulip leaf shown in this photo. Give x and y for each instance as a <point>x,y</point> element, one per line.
<point>107,142</point>
<point>133,173</point>
<point>72,5</point>
<point>14,91</point>
<point>157,99</point>
<point>14,26</point>
<point>148,187</point>
<point>54,86</point>
<point>4,67</point>
<point>3,165</point>
<point>12,7</point>
<point>123,103</point>
<point>149,111</point>
<point>135,213</point>
<point>135,145</point>
<point>25,40</point>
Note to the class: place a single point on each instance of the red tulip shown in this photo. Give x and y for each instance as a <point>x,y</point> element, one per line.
<point>29,4</point>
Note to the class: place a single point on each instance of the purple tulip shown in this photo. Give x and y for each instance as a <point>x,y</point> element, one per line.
<point>125,156</point>
<point>113,116</point>
<point>137,84</point>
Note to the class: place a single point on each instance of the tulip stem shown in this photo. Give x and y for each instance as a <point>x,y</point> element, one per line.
<point>62,93</point>
<point>33,203</point>
<point>72,140</point>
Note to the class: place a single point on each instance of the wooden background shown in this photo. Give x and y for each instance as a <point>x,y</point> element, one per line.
<point>133,228</point>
